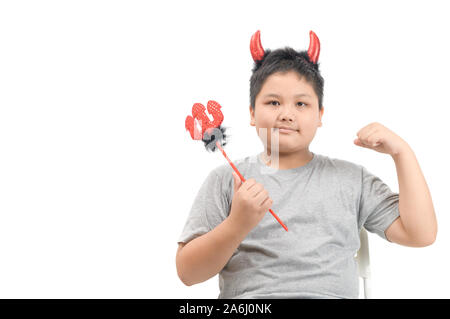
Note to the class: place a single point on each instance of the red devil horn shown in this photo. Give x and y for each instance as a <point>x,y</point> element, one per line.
<point>256,48</point>
<point>314,47</point>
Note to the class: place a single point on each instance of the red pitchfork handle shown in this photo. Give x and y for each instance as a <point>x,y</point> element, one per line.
<point>243,180</point>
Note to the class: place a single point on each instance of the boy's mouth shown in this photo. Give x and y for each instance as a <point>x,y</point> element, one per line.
<point>286,130</point>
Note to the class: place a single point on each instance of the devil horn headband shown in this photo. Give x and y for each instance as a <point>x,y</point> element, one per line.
<point>257,50</point>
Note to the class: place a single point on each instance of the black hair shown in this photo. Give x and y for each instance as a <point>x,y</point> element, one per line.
<point>284,60</point>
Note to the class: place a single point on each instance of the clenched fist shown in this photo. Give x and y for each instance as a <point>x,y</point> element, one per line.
<point>250,203</point>
<point>381,139</point>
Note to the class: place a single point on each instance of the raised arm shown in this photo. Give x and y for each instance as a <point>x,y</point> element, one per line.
<point>417,225</point>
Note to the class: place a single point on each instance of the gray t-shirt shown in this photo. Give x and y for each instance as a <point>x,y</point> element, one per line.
<point>324,204</point>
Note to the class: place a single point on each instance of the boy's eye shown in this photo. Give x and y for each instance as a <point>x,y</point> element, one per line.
<point>271,102</point>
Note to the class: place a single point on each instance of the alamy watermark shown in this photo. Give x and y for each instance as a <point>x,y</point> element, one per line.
<point>274,157</point>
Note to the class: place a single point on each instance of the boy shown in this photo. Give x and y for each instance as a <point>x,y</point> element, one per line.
<point>323,201</point>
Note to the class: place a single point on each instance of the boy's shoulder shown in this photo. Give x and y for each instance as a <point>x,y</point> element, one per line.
<point>345,169</point>
<point>243,164</point>
<point>339,162</point>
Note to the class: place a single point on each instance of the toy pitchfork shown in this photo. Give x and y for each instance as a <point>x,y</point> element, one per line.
<point>212,134</point>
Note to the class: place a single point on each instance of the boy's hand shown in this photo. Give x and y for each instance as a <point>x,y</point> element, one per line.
<point>381,139</point>
<point>250,203</point>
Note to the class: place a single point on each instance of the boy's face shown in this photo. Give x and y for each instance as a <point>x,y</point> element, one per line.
<point>285,100</point>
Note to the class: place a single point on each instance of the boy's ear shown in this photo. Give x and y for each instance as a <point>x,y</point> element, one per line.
<point>252,116</point>
<point>320,115</point>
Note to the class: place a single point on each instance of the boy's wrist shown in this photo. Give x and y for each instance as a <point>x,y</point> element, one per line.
<point>238,228</point>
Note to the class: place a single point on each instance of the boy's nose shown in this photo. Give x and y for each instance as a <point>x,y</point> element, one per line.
<point>287,115</point>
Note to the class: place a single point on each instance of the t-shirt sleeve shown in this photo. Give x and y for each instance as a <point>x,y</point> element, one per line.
<point>210,208</point>
<point>378,207</point>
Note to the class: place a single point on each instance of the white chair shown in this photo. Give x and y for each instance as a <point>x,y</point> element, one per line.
<point>363,261</point>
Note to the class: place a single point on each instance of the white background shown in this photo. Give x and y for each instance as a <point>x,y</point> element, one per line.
<point>97,174</point>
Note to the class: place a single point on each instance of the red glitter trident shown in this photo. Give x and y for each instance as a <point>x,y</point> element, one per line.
<point>205,131</point>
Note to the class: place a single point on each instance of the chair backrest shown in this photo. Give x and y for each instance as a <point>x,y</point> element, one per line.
<point>363,259</point>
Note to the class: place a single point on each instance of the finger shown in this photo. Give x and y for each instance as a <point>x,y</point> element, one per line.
<point>255,190</point>
<point>359,143</point>
<point>363,130</point>
<point>237,181</point>
<point>365,134</point>
<point>368,144</point>
<point>369,137</point>
<point>267,204</point>
<point>250,183</point>
<point>261,198</point>
<point>367,129</point>
<point>374,138</point>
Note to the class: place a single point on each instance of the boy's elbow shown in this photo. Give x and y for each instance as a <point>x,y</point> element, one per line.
<point>182,277</point>
<point>183,280</point>
<point>180,272</point>
<point>431,238</point>
<point>427,241</point>
<point>430,241</point>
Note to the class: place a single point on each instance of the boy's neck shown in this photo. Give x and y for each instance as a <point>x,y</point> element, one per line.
<point>288,160</point>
